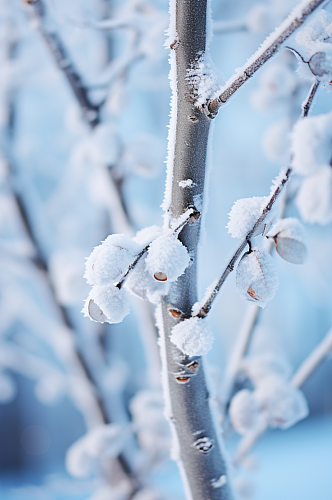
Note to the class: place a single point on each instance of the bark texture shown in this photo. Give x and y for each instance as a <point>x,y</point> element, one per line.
<point>199,451</point>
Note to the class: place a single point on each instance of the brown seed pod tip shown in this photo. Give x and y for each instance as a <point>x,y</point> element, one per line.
<point>160,276</point>
<point>176,313</point>
<point>253,294</point>
<point>182,380</point>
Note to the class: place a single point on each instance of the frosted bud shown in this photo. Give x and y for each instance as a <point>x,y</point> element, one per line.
<point>316,31</point>
<point>246,212</point>
<point>284,403</point>
<point>107,304</point>
<point>290,239</point>
<point>256,277</point>
<point>167,258</point>
<point>104,145</point>
<point>320,64</point>
<point>314,198</point>
<point>147,234</point>
<point>143,285</point>
<point>276,141</point>
<point>192,336</point>
<point>260,366</point>
<point>105,440</point>
<point>311,142</point>
<point>109,261</point>
<point>244,412</point>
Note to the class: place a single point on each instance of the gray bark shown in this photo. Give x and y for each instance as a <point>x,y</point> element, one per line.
<point>199,449</point>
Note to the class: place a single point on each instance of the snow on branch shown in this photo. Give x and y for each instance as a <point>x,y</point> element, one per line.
<point>268,49</point>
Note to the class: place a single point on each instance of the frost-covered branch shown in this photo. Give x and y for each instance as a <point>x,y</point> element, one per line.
<point>204,307</point>
<point>201,309</point>
<point>306,369</point>
<point>195,440</point>
<point>268,49</point>
<point>315,358</point>
<point>90,111</point>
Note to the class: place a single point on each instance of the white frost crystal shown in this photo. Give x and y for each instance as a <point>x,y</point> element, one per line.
<point>192,336</point>
<point>147,234</point>
<point>260,366</point>
<point>256,277</point>
<point>290,239</point>
<point>167,255</point>
<point>314,198</point>
<point>315,32</point>
<point>244,411</point>
<point>109,261</point>
<point>246,212</point>
<point>284,403</point>
<point>311,143</point>
<point>107,303</point>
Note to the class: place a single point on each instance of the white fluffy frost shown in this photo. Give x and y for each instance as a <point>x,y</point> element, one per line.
<point>107,303</point>
<point>203,78</point>
<point>314,198</point>
<point>245,213</point>
<point>311,143</point>
<point>192,336</point>
<point>244,411</point>
<point>167,255</point>
<point>109,261</point>
<point>256,277</point>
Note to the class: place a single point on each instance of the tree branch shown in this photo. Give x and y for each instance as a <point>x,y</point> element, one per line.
<point>268,49</point>
<point>196,440</point>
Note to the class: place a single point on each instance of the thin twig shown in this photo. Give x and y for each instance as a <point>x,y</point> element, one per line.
<point>230,266</point>
<point>269,48</point>
<point>306,106</point>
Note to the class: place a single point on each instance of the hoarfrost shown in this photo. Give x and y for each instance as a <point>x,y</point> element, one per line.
<point>260,366</point>
<point>311,143</point>
<point>147,235</point>
<point>244,411</point>
<point>186,183</point>
<point>256,277</point>
<point>109,261</point>
<point>192,336</point>
<point>245,213</point>
<point>284,403</point>
<point>107,303</point>
<point>168,256</point>
<point>203,79</point>
<point>218,483</point>
<point>318,30</point>
<point>290,239</point>
<point>314,198</point>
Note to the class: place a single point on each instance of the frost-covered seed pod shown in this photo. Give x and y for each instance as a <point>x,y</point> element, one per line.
<point>284,403</point>
<point>167,258</point>
<point>290,239</point>
<point>259,366</point>
<point>311,141</point>
<point>192,336</point>
<point>107,304</point>
<point>109,261</point>
<point>143,285</point>
<point>244,411</point>
<point>314,198</point>
<point>245,213</point>
<point>256,277</point>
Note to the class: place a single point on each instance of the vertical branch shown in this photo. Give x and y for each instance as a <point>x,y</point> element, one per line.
<point>199,453</point>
